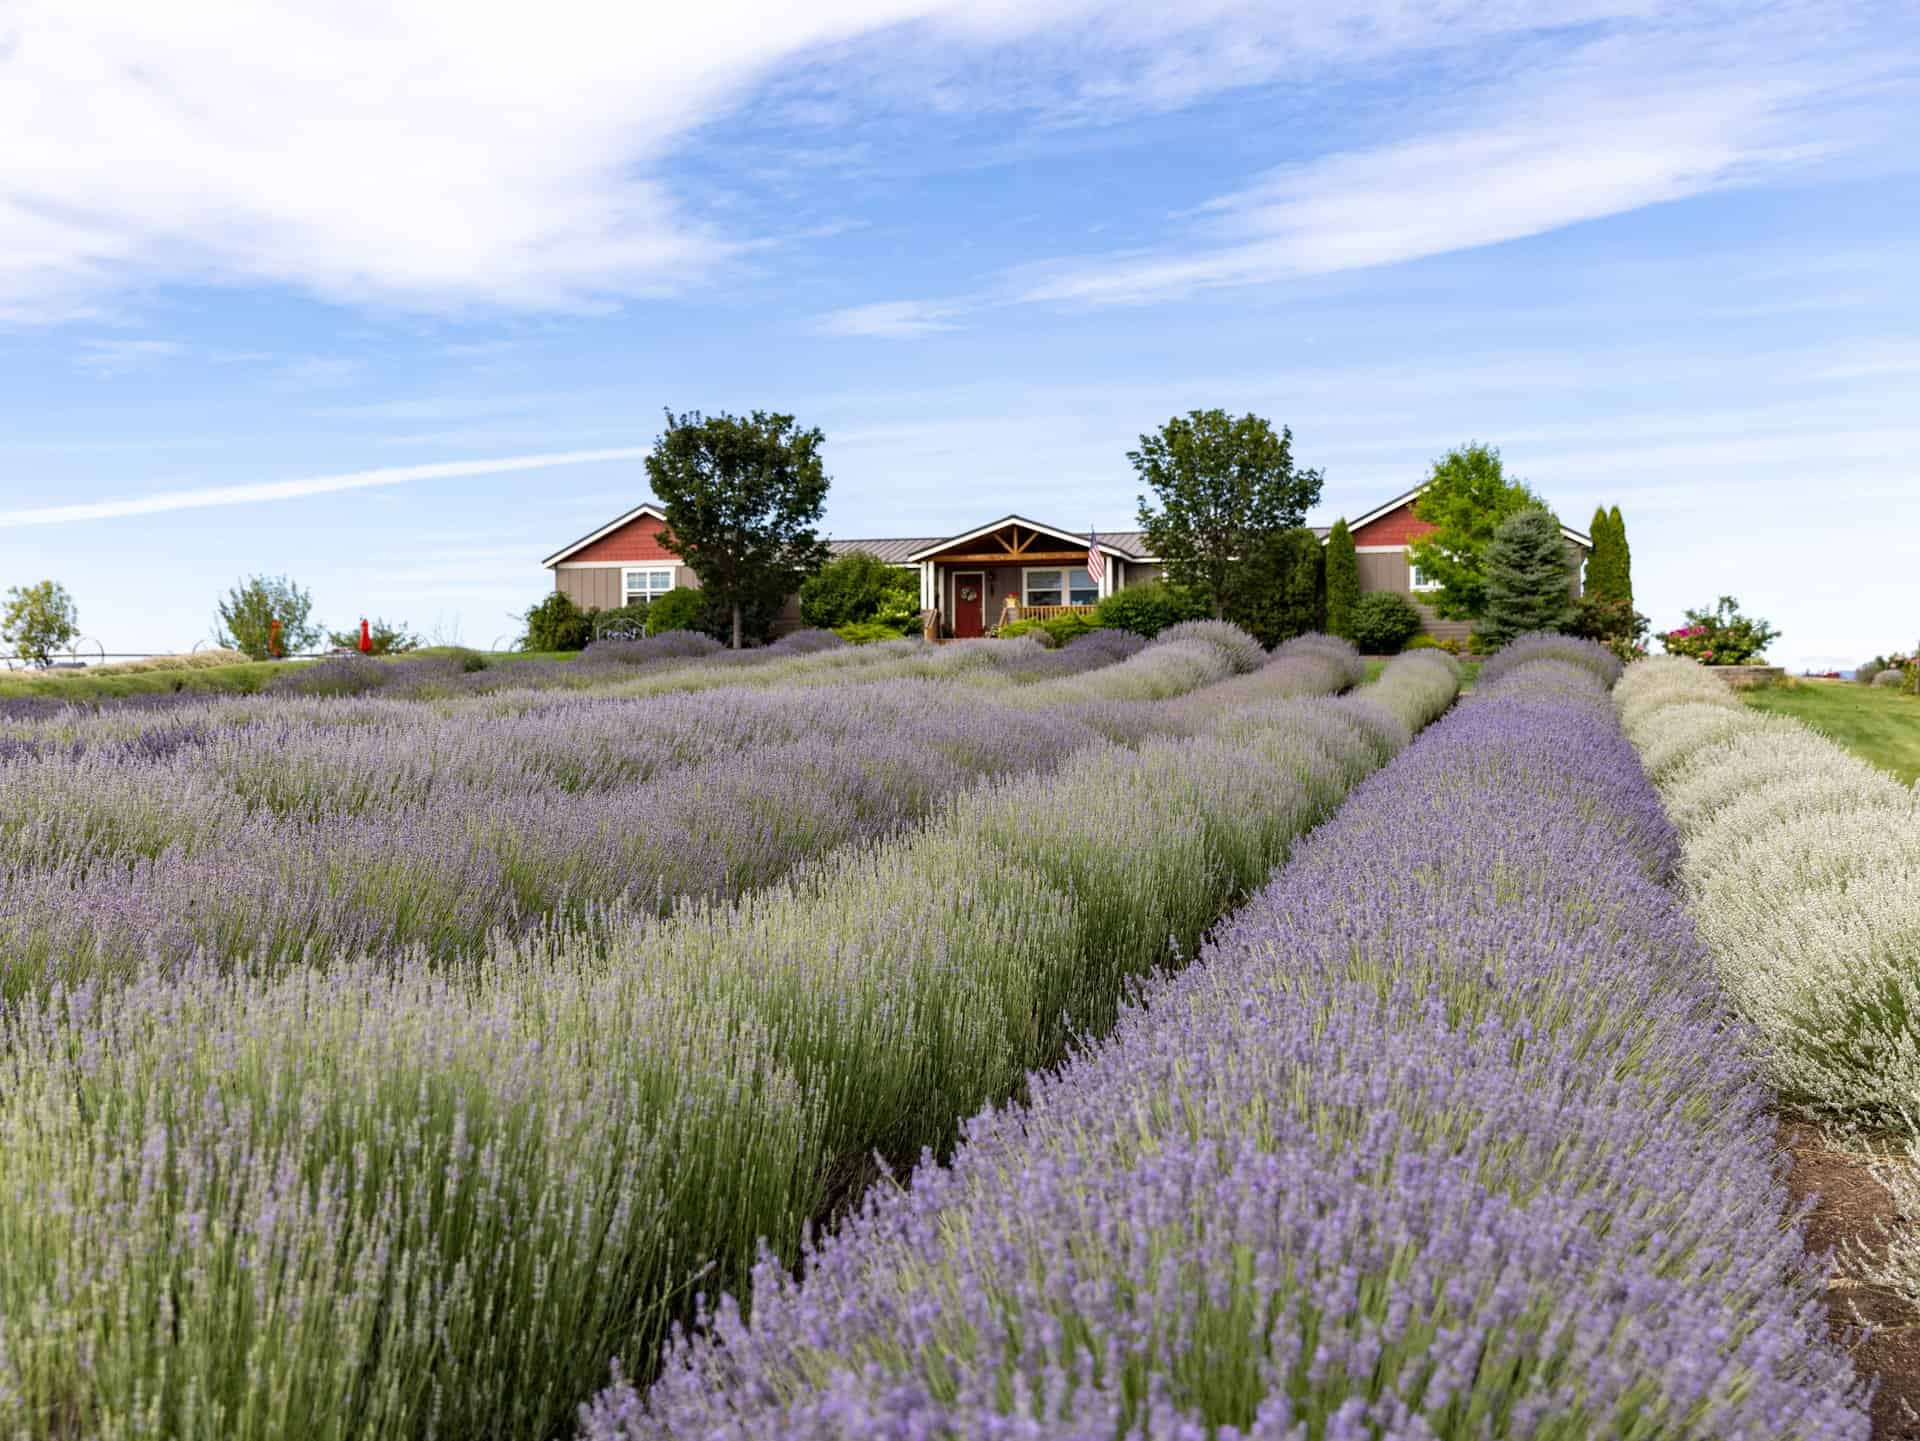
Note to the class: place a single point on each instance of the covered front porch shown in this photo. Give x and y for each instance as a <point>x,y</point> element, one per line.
<point>1012,570</point>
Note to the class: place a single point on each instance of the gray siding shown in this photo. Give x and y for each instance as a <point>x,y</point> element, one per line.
<point>597,587</point>
<point>591,587</point>
<point>1384,570</point>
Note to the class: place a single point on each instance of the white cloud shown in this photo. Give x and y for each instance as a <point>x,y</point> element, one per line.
<point>272,490</point>
<point>1585,146</point>
<point>444,155</point>
<point>891,319</point>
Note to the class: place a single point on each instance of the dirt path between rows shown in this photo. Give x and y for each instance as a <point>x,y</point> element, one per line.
<point>1851,1218</point>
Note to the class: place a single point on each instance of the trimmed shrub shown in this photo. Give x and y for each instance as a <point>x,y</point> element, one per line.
<point>1053,631</point>
<point>682,608</point>
<point>1383,622</point>
<point>857,588</point>
<point>866,632</point>
<point>1150,608</point>
<point>556,623</point>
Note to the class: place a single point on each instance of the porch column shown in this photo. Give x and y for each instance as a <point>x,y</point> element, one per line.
<point>927,586</point>
<point>1104,586</point>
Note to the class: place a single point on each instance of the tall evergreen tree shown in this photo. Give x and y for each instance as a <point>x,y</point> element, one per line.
<point>1603,563</point>
<point>1283,589</point>
<point>1526,573</point>
<point>1343,579</point>
<point>1622,556</point>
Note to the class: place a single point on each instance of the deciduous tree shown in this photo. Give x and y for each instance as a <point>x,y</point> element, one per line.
<point>1222,486</point>
<point>1467,496</point>
<point>247,615</point>
<point>38,620</point>
<point>742,495</point>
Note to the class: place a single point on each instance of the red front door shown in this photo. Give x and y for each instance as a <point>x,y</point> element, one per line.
<point>969,603</point>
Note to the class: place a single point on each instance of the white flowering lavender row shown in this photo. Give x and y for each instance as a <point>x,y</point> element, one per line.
<point>383,1201</point>
<point>1802,865</point>
<point>1446,1136</point>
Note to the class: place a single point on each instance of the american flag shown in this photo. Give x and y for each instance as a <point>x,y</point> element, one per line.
<point>1096,563</point>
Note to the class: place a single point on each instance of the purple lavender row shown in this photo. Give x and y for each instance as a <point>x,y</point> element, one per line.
<point>333,841</point>
<point>381,1200</point>
<point>351,692</point>
<point>1447,1136</point>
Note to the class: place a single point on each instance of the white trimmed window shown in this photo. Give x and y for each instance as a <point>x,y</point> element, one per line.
<point>1058,587</point>
<point>647,584</point>
<point>1417,579</point>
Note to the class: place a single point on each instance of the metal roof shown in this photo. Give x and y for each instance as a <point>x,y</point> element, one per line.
<point>894,551</point>
<point>900,551</point>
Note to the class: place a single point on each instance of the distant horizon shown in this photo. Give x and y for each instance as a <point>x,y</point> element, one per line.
<point>401,340</point>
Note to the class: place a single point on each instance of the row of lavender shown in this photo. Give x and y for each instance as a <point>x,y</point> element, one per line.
<point>280,831</point>
<point>673,664</point>
<point>380,1199</point>
<point>1801,864</point>
<point>1448,1136</point>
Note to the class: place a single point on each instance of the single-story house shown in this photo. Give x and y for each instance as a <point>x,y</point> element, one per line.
<point>1010,568</point>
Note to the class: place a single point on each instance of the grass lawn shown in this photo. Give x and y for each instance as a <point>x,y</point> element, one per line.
<point>1469,664</point>
<point>78,685</point>
<point>1876,725</point>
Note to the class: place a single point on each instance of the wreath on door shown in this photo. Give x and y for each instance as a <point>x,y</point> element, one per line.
<point>969,594</point>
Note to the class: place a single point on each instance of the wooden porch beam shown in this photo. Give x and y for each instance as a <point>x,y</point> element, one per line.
<point>1025,557</point>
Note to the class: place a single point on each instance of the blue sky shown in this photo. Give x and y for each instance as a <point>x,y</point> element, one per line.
<point>390,299</point>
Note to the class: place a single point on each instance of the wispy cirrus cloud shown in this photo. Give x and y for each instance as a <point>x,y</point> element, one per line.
<point>893,319</point>
<point>1644,116</point>
<point>1540,168</point>
<point>262,492</point>
<point>488,158</point>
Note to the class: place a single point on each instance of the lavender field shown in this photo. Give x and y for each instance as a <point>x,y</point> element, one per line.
<point>1161,1039</point>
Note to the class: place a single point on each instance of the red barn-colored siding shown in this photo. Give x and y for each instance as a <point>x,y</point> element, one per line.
<point>1396,527</point>
<point>638,539</point>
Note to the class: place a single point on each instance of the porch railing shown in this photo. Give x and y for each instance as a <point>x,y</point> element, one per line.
<point>1047,612</point>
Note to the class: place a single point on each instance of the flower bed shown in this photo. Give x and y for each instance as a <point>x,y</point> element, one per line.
<point>1446,1136</point>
